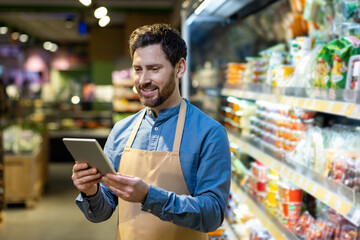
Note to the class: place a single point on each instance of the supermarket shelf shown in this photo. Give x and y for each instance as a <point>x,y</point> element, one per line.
<point>337,107</point>
<point>276,229</point>
<point>335,195</point>
<point>81,133</point>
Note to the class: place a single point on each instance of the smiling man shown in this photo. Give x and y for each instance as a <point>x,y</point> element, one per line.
<point>173,161</point>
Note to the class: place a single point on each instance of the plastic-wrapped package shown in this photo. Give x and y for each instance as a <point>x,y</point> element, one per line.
<point>303,223</point>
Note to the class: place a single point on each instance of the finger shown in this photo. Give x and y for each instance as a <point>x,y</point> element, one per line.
<point>121,194</point>
<point>89,178</point>
<point>120,178</point>
<point>83,173</point>
<point>80,166</point>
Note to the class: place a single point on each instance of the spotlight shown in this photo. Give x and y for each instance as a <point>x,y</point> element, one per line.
<point>15,35</point>
<point>23,38</point>
<point>85,2</point>
<point>104,21</point>
<point>100,12</point>
<point>4,30</point>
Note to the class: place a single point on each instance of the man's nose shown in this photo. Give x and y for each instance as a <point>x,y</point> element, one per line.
<point>144,77</point>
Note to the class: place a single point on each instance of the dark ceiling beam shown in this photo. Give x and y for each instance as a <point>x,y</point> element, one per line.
<point>32,8</point>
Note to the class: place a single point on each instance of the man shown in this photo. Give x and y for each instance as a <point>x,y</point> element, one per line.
<point>173,161</point>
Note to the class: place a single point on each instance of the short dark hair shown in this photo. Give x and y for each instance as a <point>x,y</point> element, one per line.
<point>170,39</point>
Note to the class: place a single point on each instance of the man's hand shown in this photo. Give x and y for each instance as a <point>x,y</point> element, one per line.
<point>128,188</point>
<point>85,179</point>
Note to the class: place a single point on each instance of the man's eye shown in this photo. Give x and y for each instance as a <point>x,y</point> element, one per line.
<point>137,69</point>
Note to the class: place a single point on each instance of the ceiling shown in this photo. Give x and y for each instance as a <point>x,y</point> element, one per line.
<point>45,19</point>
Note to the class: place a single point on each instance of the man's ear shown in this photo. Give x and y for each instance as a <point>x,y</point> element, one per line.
<point>181,68</point>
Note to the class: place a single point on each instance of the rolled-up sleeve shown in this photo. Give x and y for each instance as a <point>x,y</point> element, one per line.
<point>97,208</point>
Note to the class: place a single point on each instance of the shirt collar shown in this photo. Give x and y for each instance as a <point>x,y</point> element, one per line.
<point>164,114</point>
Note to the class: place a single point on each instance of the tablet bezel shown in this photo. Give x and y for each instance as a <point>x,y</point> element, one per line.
<point>89,150</point>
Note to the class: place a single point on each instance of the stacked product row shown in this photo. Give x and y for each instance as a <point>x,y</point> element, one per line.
<point>302,214</point>
<point>1,178</point>
<point>280,197</point>
<point>332,152</point>
<point>279,127</point>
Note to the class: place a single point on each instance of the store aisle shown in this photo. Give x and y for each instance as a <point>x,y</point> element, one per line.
<point>56,215</point>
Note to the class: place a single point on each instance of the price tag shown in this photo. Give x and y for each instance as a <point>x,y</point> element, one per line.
<point>293,177</point>
<point>343,108</point>
<point>295,102</point>
<point>356,217</point>
<point>309,103</point>
<point>349,110</point>
<point>327,198</point>
<point>313,188</point>
<point>335,107</point>
<point>321,105</point>
<point>287,100</point>
<point>280,99</point>
<point>297,179</point>
<point>338,204</point>
<point>301,103</point>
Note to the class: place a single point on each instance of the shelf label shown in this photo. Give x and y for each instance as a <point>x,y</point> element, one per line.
<point>312,189</point>
<point>344,208</point>
<point>349,110</point>
<point>356,217</point>
<point>327,198</point>
<point>301,103</point>
<point>321,105</point>
<point>308,103</point>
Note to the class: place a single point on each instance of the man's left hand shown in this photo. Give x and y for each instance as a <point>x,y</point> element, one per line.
<point>128,188</point>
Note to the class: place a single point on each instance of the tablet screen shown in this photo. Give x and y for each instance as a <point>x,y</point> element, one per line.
<point>89,150</point>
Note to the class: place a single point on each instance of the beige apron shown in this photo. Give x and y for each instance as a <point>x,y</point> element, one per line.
<point>160,169</point>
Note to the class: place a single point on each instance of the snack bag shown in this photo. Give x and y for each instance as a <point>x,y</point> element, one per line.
<point>344,49</point>
<point>323,66</point>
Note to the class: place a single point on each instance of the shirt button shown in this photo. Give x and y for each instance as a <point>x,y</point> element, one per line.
<point>150,112</point>
<point>149,210</point>
<point>156,128</point>
<point>89,211</point>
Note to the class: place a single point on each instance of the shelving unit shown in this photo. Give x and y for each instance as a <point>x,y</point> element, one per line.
<point>125,99</point>
<point>277,230</point>
<point>2,198</point>
<point>337,107</point>
<point>327,191</point>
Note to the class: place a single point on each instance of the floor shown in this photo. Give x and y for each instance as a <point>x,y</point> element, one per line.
<point>55,216</point>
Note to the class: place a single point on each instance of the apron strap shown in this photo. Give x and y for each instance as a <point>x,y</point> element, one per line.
<point>180,126</point>
<point>134,131</point>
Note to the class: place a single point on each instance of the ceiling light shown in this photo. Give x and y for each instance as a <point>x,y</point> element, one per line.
<point>23,38</point>
<point>3,30</point>
<point>104,21</point>
<point>54,47</point>
<point>15,35</point>
<point>100,12</point>
<point>47,45</point>
<point>85,2</point>
<point>75,100</point>
<point>185,4</point>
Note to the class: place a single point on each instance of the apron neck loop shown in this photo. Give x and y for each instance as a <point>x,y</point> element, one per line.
<point>180,126</point>
<point>134,131</point>
<point>178,133</point>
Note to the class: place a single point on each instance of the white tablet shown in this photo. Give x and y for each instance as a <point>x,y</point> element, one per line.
<point>89,150</point>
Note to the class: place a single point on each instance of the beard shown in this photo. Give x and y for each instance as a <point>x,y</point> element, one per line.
<point>161,97</point>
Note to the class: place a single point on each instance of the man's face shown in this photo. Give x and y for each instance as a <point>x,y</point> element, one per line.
<point>154,75</point>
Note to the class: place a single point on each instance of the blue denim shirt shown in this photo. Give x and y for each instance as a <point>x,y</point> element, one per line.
<point>205,163</point>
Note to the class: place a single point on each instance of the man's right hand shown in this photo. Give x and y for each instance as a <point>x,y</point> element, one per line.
<point>85,179</point>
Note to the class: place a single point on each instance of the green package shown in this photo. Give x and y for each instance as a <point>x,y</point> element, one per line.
<point>343,50</point>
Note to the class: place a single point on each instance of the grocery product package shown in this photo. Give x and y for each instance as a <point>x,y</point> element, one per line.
<point>332,62</point>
